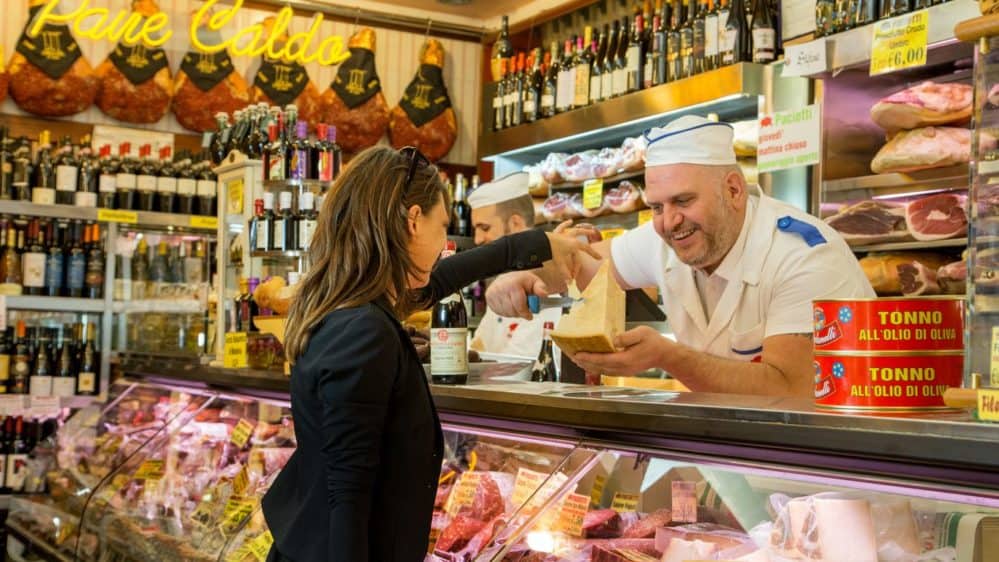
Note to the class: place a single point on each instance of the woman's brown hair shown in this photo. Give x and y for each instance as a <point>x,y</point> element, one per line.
<point>359,252</point>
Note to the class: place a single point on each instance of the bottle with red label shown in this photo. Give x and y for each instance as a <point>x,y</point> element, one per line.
<point>544,365</point>
<point>449,336</point>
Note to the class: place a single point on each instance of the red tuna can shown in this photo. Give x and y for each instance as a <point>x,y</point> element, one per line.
<point>889,324</point>
<point>886,382</point>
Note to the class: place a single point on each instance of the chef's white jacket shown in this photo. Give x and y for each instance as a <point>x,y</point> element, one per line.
<point>782,261</point>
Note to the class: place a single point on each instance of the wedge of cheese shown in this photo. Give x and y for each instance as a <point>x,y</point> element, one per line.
<point>592,324</point>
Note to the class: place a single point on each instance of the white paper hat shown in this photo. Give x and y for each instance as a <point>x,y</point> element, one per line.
<point>510,186</point>
<point>690,140</point>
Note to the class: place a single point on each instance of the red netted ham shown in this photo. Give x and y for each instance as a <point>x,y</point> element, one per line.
<point>937,217</point>
<point>871,222</point>
<point>49,76</point>
<point>602,524</point>
<point>354,102</point>
<point>625,198</point>
<point>952,278</point>
<point>917,279</point>
<point>923,105</point>
<point>928,147</point>
<point>424,117</point>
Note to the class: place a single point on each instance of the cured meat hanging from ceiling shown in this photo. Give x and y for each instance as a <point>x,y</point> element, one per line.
<point>354,101</point>
<point>424,117</point>
<point>136,84</point>
<point>49,76</point>
<point>283,82</point>
<point>4,77</point>
<point>206,84</point>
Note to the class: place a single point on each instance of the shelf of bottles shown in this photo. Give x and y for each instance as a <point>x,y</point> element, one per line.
<point>850,30</point>
<point>678,56</point>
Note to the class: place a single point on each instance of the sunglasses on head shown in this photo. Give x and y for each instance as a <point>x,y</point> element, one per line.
<point>417,161</point>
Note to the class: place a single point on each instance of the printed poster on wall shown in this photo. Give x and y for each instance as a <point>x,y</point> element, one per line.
<point>789,139</point>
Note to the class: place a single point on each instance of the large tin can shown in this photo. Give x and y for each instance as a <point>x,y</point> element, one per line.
<point>889,324</point>
<point>886,382</point>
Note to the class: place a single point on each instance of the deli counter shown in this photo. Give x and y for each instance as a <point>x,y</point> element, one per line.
<point>174,464</point>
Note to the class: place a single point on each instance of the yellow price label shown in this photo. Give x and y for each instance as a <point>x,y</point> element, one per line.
<point>234,195</point>
<point>899,42</point>
<point>239,554</point>
<point>207,223</point>
<point>235,351</point>
<point>112,215</point>
<point>994,359</point>
<point>150,470</point>
<point>624,502</point>
<point>463,492</point>
<point>241,482</point>
<point>574,508</point>
<point>644,216</point>
<point>241,433</point>
<point>593,193</point>
<point>236,511</point>
<point>202,515</point>
<point>261,546</point>
<point>597,491</point>
<point>611,233</point>
<point>988,405</point>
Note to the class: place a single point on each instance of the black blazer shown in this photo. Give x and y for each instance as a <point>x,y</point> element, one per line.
<point>361,484</point>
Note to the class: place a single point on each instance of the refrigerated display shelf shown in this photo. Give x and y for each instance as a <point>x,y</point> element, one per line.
<point>53,304</point>
<point>732,92</point>
<point>143,218</point>
<point>915,245</point>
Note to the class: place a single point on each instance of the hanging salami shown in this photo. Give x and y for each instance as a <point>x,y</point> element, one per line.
<point>354,101</point>
<point>136,84</point>
<point>206,84</point>
<point>48,74</point>
<point>283,82</point>
<point>424,117</point>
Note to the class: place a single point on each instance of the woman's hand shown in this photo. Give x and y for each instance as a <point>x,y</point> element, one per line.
<point>569,254</point>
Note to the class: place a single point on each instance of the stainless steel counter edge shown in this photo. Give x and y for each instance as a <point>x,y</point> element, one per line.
<point>751,428</point>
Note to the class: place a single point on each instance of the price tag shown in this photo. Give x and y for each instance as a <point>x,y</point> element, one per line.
<point>597,491</point>
<point>12,405</point>
<point>994,359</point>
<point>463,492</point>
<point>236,511</point>
<point>151,469</point>
<point>684,504</point>
<point>202,515</point>
<point>899,42</point>
<point>574,509</point>
<point>207,223</point>
<point>988,405</point>
<point>235,351</point>
<point>241,434</point>
<point>261,546</point>
<point>805,59</point>
<point>239,554</point>
<point>112,215</point>
<point>241,482</point>
<point>234,195</point>
<point>45,406</point>
<point>593,193</point>
<point>206,139</point>
<point>644,216</point>
<point>611,233</point>
<point>624,502</point>
<point>528,481</point>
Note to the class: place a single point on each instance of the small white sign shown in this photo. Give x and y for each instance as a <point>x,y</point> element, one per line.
<point>789,139</point>
<point>45,406</point>
<point>805,59</point>
<point>12,405</point>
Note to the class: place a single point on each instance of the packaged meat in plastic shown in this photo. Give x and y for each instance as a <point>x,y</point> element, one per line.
<point>424,117</point>
<point>627,197</point>
<point>578,209</point>
<point>633,154</point>
<point>283,82</point>
<point>136,84</point>
<point>826,527</point>
<point>578,167</point>
<point>4,77</point>
<point>895,527</point>
<point>206,84</point>
<point>354,102</point>
<point>556,207</point>
<point>536,183</point>
<point>928,147</point>
<point>551,168</point>
<point>48,74</point>
<point>745,138</point>
<point>645,527</point>
<point>606,163</point>
<point>923,105</point>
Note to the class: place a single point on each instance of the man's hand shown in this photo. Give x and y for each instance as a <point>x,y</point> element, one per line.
<point>507,295</point>
<point>640,349</point>
<point>568,257</point>
<point>582,231</point>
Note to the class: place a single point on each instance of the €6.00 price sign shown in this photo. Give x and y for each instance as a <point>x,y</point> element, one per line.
<point>899,42</point>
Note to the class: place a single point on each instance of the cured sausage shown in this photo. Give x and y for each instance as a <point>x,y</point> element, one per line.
<point>424,117</point>
<point>354,102</point>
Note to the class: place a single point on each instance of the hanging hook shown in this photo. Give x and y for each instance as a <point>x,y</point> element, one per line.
<point>426,35</point>
<point>357,18</point>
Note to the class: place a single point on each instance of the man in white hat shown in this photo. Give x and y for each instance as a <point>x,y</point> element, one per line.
<point>737,270</point>
<point>501,207</point>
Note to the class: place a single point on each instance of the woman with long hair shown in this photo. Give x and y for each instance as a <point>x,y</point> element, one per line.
<point>361,484</point>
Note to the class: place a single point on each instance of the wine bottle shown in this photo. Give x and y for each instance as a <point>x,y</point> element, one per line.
<point>449,346</point>
<point>219,147</point>
<point>565,96</point>
<point>299,164</point>
<point>533,87</point>
<point>674,68</point>
<point>635,57</point>
<point>94,275</point>
<point>609,59</point>
<point>17,459</point>
<point>55,261</point>
<point>107,178</point>
<point>499,98</point>
<point>187,186</point>
<point>699,26</point>
<point>33,260</point>
<point>5,356</point>
<point>10,265</point>
<point>515,94</point>
<point>40,383</point>
<point>687,41</point>
<point>502,49</point>
<point>550,87</point>
<point>125,179</point>
<point>544,366</point>
<point>145,181</point>
<point>87,383</point>
<point>621,59</point>
<point>166,183</point>
<point>307,219</point>
<point>711,36</point>
<point>66,171</point>
<point>6,165</point>
<point>43,189</point>
<point>21,366</point>
<point>64,381</point>
<point>24,170</point>
<point>737,44</point>
<point>597,68</point>
<point>583,61</point>
<point>76,262</point>
<point>764,34</point>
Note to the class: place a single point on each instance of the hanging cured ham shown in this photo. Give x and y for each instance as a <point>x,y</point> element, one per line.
<point>136,84</point>
<point>4,78</point>
<point>207,84</point>
<point>424,117</point>
<point>283,82</point>
<point>48,74</point>
<point>354,101</point>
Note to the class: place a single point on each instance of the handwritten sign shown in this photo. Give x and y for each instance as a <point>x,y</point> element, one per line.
<point>241,433</point>
<point>597,491</point>
<point>463,492</point>
<point>528,481</point>
<point>241,482</point>
<point>236,510</point>
<point>994,359</point>
<point>899,42</point>
<point>234,196</point>
<point>235,356</point>
<point>261,545</point>
<point>684,501</point>
<point>988,405</point>
<point>789,139</point>
<point>574,509</point>
<point>624,502</point>
<point>805,59</point>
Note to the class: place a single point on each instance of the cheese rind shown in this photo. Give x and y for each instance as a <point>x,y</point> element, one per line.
<point>592,324</point>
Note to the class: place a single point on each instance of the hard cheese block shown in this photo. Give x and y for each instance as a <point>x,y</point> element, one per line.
<point>593,324</point>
